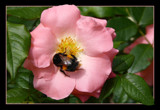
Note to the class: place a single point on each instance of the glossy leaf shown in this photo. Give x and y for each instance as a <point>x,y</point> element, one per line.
<point>143,56</point>
<point>124,28</point>
<point>122,62</point>
<point>16,95</point>
<point>18,44</point>
<point>137,88</point>
<point>26,12</point>
<point>101,11</point>
<point>119,95</point>
<point>122,46</point>
<point>28,23</point>
<point>142,15</point>
<point>120,11</point>
<point>117,44</point>
<point>108,88</point>
<point>23,78</point>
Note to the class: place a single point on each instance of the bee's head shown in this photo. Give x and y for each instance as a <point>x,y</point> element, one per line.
<point>57,60</point>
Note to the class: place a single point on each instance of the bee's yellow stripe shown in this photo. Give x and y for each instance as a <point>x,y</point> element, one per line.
<point>64,67</point>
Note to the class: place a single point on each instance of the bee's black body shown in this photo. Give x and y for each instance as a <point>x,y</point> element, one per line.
<point>61,60</point>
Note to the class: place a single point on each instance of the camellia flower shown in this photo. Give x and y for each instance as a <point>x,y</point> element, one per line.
<point>146,74</point>
<point>83,39</point>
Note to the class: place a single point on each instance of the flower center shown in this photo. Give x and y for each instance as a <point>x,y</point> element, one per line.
<point>69,46</point>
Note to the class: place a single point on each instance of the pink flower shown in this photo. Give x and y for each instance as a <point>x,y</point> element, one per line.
<point>146,74</point>
<point>63,30</point>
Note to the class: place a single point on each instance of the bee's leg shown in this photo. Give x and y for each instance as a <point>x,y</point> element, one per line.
<point>63,72</point>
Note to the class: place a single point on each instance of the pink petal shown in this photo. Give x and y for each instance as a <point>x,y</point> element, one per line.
<point>28,64</point>
<point>61,19</point>
<point>45,73</point>
<point>141,40</point>
<point>102,21</point>
<point>111,31</point>
<point>147,74</point>
<point>112,75</point>
<point>94,72</point>
<point>59,87</point>
<point>43,45</point>
<point>112,53</point>
<point>84,96</point>
<point>150,33</point>
<point>93,35</point>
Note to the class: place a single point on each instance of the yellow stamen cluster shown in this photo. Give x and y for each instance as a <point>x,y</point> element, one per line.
<point>69,46</point>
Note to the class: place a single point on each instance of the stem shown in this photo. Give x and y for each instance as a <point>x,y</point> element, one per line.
<point>145,37</point>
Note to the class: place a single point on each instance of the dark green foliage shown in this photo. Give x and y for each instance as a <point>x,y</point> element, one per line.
<point>143,57</point>
<point>137,89</point>
<point>26,12</point>
<point>18,44</point>
<point>122,62</point>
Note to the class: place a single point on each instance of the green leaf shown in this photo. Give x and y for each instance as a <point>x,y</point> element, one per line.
<point>130,100</point>
<point>122,46</point>
<point>142,15</point>
<point>49,100</point>
<point>143,56</point>
<point>16,95</point>
<point>120,11</point>
<point>11,86</point>
<point>99,12</point>
<point>36,24</point>
<point>122,62</point>
<point>124,28</point>
<point>73,99</point>
<point>93,100</point>
<point>138,34</point>
<point>23,78</point>
<point>117,44</point>
<point>119,95</point>
<point>38,96</point>
<point>26,12</point>
<point>18,44</point>
<point>108,88</point>
<point>137,89</point>
<point>102,12</point>
<point>28,23</point>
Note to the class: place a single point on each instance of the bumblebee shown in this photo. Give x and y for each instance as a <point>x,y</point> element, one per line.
<point>66,62</point>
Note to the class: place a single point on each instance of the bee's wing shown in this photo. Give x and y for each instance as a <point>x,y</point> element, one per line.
<point>66,60</point>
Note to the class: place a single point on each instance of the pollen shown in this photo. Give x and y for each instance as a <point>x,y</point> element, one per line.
<point>69,46</point>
